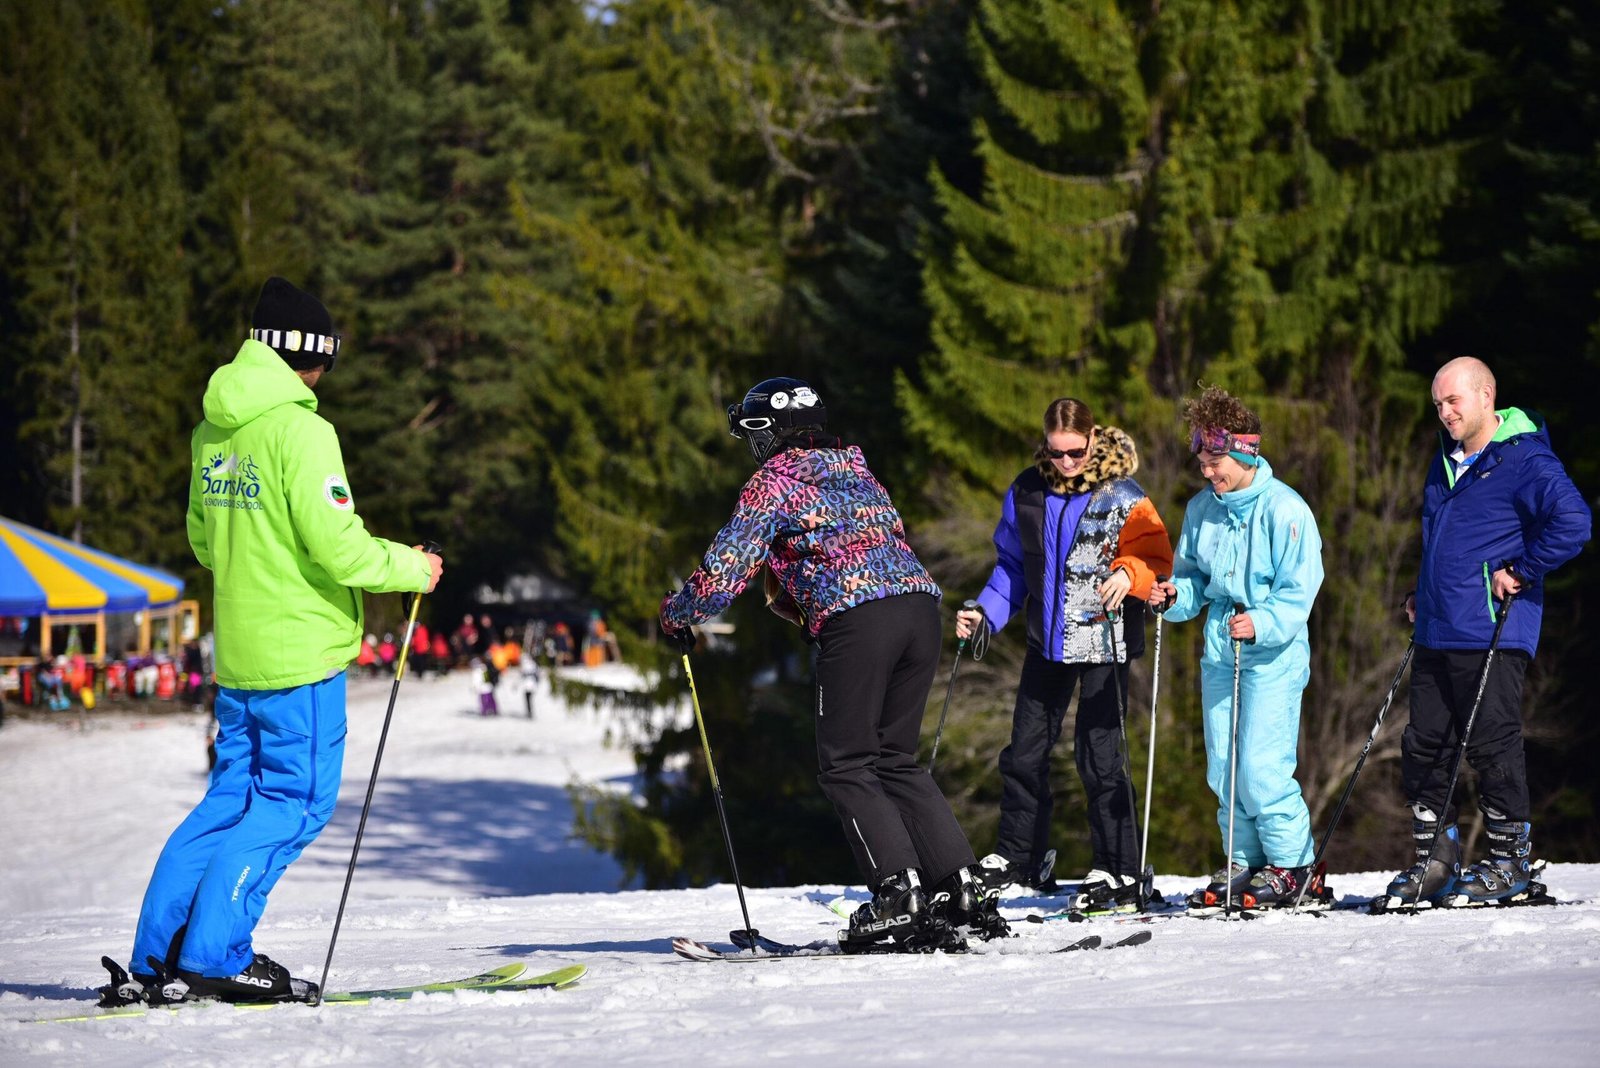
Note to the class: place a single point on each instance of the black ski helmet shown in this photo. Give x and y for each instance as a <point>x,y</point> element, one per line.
<point>772,411</point>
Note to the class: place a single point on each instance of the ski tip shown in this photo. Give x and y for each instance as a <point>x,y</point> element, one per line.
<point>1091,942</point>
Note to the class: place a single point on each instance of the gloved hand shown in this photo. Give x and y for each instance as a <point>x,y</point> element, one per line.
<point>682,637</point>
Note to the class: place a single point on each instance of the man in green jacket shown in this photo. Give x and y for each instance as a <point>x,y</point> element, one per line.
<point>271,515</point>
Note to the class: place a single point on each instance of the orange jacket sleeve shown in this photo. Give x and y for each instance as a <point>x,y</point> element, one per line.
<point>1143,548</point>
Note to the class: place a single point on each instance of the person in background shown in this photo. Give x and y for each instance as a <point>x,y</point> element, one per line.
<point>421,650</point>
<point>441,654</point>
<point>484,677</point>
<point>1080,543</point>
<point>528,675</point>
<point>272,517</point>
<point>367,656</point>
<point>562,651</point>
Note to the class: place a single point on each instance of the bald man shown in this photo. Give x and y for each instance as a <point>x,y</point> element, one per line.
<point>1498,514</point>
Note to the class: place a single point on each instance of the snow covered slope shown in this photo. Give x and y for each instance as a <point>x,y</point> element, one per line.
<point>466,865</point>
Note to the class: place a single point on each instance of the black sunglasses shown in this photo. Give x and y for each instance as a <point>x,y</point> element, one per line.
<point>1065,454</point>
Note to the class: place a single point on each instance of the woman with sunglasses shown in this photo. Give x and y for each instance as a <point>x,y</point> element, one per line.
<point>838,565</point>
<point>1077,535</point>
<point>1249,554</point>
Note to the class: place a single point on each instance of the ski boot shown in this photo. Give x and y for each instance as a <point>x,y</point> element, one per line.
<point>899,919</point>
<point>1102,891</point>
<point>125,989</point>
<point>1506,875</point>
<point>1215,894</point>
<point>263,980</point>
<point>1274,887</point>
<point>1433,878</point>
<point>961,902</point>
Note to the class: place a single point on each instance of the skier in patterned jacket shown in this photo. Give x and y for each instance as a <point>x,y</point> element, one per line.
<point>270,515</point>
<point>839,566</point>
<point>1080,542</point>
<point>1250,557</point>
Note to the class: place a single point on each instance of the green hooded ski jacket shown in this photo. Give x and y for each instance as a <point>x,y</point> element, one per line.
<point>271,515</point>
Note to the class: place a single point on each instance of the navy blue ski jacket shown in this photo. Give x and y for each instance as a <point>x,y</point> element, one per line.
<point>1514,505</point>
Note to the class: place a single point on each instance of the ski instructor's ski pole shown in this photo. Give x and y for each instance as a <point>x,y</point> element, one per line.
<point>1466,736</point>
<point>366,807</point>
<point>980,642</point>
<point>1349,787</point>
<point>722,814</point>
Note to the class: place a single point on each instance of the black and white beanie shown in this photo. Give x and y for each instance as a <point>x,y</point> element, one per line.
<point>295,324</point>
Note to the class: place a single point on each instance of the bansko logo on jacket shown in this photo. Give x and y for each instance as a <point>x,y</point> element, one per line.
<point>229,482</point>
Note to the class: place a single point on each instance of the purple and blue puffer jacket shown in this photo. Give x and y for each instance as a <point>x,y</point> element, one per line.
<point>827,529</point>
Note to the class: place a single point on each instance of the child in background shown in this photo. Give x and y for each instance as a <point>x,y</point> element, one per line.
<point>528,669</point>
<point>483,679</point>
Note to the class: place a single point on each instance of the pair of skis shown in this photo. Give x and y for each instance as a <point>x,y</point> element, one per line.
<point>515,976</point>
<point>766,949</point>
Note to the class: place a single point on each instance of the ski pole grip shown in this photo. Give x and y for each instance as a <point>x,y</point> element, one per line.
<point>433,547</point>
<point>1237,609</point>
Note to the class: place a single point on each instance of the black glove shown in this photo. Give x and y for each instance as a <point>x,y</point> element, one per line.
<point>684,638</point>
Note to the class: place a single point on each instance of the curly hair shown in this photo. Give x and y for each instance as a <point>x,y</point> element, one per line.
<point>1217,407</point>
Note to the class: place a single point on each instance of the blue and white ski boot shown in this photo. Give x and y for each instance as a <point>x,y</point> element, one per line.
<point>1434,875</point>
<point>1506,875</point>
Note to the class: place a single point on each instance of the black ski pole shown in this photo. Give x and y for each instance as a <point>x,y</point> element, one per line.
<point>1147,875</point>
<point>1349,787</point>
<point>1122,734</point>
<point>961,645</point>
<point>372,782</point>
<point>722,815</point>
<point>1466,736</point>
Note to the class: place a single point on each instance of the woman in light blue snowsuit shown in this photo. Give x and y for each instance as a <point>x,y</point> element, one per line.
<point>1249,554</point>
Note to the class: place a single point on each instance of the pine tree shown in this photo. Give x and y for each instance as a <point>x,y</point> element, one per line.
<point>94,306</point>
<point>664,276</point>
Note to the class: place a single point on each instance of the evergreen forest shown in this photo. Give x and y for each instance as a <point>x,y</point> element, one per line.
<point>560,237</point>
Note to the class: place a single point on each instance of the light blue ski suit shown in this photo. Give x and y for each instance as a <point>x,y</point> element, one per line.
<point>1257,547</point>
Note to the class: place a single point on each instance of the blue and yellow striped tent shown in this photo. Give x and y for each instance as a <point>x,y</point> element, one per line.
<point>62,581</point>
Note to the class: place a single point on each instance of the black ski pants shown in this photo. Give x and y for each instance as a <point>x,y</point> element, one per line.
<point>1444,683</point>
<point>1026,801</point>
<point>874,665</point>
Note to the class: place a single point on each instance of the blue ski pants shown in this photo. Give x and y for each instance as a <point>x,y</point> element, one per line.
<point>280,754</point>
<point>1271,824</point>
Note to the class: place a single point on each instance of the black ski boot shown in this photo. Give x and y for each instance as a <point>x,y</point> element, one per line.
<point>1505,874</point>
<point>1214,895</point>
<point>1432,878</point>
<point>960,901</point>
<point>263,980</point>
<point>996,874</point>
<point>1101,891</point>
<point>899,918</point>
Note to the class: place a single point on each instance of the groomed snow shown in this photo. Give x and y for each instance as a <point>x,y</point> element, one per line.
<point>466,865</point>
